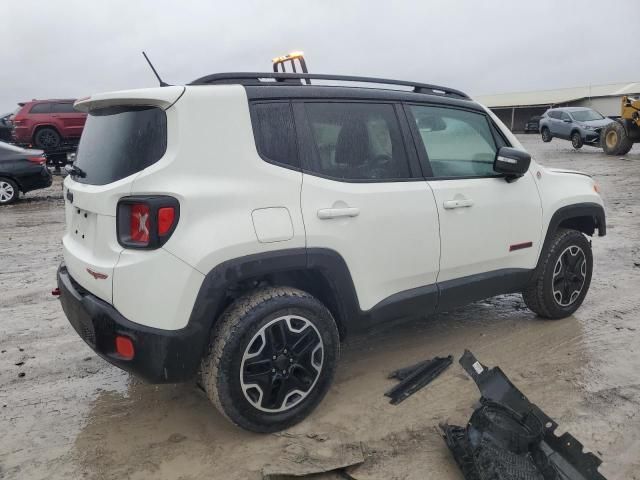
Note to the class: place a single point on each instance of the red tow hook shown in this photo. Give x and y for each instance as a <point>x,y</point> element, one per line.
<point>55,292</point>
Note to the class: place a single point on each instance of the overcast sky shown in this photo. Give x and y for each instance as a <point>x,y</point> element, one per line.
<point>60,48</point>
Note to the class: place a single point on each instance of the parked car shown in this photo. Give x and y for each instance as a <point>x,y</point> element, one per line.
<point>5,127</point>
<point>21,170</point>
<point>579,124</point>
<point>47,123</point>
<point>533,124</point>
<point>310,212</point>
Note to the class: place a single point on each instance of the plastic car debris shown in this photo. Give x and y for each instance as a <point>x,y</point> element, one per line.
<point>510,438</point>
<point>415,377</point>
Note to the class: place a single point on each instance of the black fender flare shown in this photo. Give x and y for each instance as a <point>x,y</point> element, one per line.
<point>210,300</point>
<point>577,210</point>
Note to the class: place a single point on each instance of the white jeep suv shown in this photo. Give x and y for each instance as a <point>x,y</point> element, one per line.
<point>235,229</point>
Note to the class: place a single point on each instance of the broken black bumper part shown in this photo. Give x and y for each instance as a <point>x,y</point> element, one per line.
<point>510,438</point>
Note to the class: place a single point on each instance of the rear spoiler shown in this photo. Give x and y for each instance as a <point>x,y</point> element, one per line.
<point>162,97</point>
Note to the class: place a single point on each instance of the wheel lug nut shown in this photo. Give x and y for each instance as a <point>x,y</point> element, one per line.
<point>273,358</point>
<point>285,350</point>
<point>284,372</point>
<point>273,370</point>
<point>291,360</point>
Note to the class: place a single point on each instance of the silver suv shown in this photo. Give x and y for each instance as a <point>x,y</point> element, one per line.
<point>579,124</point>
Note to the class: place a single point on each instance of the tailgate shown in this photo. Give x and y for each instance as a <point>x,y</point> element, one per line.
<point>90,246</point>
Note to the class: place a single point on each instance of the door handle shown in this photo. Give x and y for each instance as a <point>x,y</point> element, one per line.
<point>328,213</point>
<point>462,203</point>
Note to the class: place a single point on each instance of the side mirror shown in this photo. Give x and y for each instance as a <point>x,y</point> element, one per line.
<point>511,163</point>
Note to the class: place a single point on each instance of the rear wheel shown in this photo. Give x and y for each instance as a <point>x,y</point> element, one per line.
<point>272,359</point>
<point>576,140</point>
<point>47,138</point>
<point>546,135</point>
<point>8,191</point>
<point>614,139</point>
<point>563,276</point>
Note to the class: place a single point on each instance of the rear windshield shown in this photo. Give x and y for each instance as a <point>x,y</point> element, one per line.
<point>120,141</point>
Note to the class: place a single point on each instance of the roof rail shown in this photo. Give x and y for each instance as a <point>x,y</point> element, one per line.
<point>280,78</point>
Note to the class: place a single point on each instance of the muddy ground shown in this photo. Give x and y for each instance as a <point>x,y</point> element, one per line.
<point>65,413</point>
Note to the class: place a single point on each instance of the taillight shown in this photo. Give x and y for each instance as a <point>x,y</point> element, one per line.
<point>139,223</point>
<point>146,222</point>
<point>166,216</point>
<point>41,159</point>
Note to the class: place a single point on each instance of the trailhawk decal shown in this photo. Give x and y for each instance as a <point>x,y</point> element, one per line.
<point>97,275</point>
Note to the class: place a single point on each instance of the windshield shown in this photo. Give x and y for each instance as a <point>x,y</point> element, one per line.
<point>120,141</point>
<point>586,115</point>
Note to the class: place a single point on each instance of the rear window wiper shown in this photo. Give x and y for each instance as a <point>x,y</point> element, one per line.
<point>75,171</point>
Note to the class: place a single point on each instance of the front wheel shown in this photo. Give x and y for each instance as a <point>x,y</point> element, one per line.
<point>272,358</point>
<point>546,135</point>
<point>576,140</point>
<point>614,139</point>
<point>563,276</point>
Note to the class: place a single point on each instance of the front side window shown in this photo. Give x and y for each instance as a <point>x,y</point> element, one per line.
<point>275,132</point>
<point>565,116</point>
<point>458,143</point>
<point>357,141</point>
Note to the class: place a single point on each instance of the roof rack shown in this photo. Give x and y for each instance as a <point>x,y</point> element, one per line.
<point>283,78</point>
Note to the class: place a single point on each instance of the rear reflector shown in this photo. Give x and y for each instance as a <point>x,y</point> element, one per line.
<point>39,159</point>
<point>166,215</point>
<point>124,347</point>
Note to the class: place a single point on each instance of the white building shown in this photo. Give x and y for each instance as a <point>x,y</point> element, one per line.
<point>514,109</point>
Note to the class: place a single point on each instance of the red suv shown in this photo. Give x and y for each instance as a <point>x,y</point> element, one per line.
<point>47,123</point>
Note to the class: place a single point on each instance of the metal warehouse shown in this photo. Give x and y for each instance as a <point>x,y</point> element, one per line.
<point>514,109</point>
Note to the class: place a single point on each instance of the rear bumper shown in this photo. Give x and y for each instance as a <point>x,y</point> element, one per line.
<point>161,356</point>
<point>35,181</point>
<point>21,135</point>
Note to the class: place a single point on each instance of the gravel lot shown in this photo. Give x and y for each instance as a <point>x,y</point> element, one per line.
<point>65,413</point>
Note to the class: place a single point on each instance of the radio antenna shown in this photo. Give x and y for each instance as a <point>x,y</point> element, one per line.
<point>162,84</point>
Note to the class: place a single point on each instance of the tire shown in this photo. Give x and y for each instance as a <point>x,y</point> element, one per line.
<point>9,191</point>
<point>576,140</point>
<point>625,149</point>
<point>46,138</point>
<point>546,135</point>
<point>568,256</point>
<point>254,327</point>
<point>614,139</point>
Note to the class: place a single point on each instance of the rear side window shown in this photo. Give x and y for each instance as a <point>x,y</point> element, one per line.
<point>275,133</point>
<point>41,108</point>
<point>62,108</point>
<point>555,114</point>
<point>120,141</point>
<point>458,143</point>
<point>357,141</point>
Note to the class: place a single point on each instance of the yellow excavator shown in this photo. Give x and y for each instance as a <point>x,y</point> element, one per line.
<point>618,137</point>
